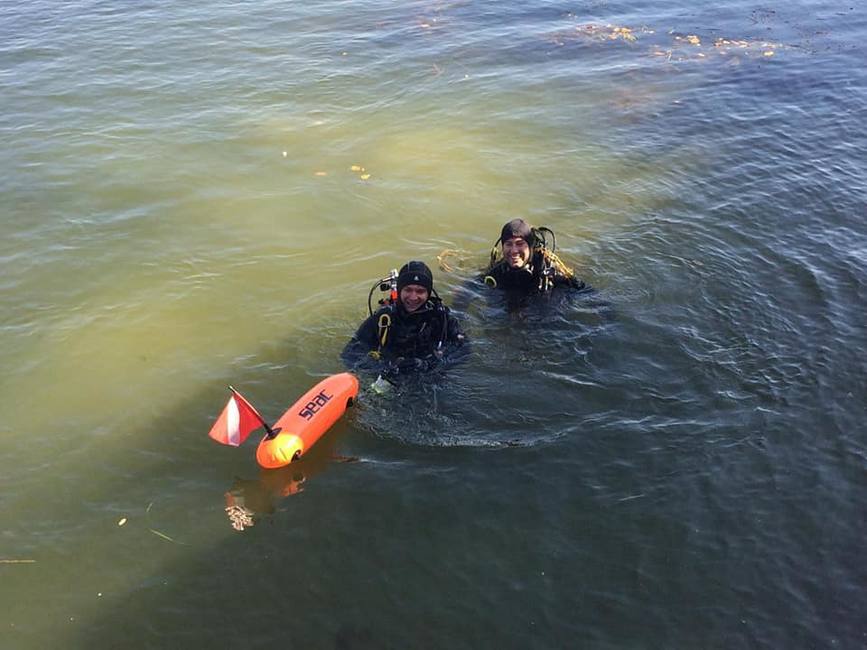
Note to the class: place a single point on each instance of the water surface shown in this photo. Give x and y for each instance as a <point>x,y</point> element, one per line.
<point>180,212</point>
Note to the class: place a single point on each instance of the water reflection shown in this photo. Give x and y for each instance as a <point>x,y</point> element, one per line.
<point>250,500</point>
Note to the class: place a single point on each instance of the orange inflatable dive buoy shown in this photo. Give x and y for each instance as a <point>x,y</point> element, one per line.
<point>307,419</point>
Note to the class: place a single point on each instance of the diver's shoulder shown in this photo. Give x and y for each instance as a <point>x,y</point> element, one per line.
<point>493,274</point>
<point>573,282</point>
<point>383,313</point>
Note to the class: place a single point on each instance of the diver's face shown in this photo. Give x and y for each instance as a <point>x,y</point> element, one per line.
<point>516,252</point>
<point>413,296</point>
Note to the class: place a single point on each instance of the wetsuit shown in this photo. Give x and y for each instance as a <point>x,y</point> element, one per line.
<point>419,340</point>
<point>534,277</point>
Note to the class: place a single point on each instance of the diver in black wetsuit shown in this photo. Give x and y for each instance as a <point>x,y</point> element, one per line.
<point>412,331</point>
<point>525,265</point>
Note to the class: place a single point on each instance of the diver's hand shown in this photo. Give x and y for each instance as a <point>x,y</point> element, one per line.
<point>390,371</point>
<point>412,364</point>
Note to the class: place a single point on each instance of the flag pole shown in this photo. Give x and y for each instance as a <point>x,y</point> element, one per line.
<point>269,430</point>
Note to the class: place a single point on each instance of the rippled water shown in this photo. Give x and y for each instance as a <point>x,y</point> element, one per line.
<point>682,467</point>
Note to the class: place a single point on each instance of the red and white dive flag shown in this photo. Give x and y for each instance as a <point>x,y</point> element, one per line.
<point>237,421</point>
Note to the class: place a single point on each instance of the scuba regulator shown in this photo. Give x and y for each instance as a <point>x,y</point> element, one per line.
<point>385,381</point>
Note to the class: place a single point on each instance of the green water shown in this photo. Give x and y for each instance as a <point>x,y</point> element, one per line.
<point>167,266</point>
<point>195,198</point>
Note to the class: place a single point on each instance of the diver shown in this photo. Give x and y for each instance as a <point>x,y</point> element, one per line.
<point>412,331</point>
<point>527,264</point>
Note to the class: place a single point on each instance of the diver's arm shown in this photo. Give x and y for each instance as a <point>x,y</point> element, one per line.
<point>572,282</point>
<point>455,333</point>
<point>356,353</point>
<point>493,276</point>
<point>456,347</point>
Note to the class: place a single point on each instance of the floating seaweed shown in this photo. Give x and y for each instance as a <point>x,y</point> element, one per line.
<point>692,39</point>
<point>678,48</point>
<point>766,48</point>
<point>598,32</point>
<point>689,47</point>
<point>451,260</point>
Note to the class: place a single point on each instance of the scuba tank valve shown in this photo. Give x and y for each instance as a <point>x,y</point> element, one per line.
<point>388,283</point>
<point>392,286</point>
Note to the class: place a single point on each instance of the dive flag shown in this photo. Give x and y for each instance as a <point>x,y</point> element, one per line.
<point>237,421</point>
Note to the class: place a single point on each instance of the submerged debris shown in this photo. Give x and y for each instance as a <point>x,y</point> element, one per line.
<point>163,535</point>
<point>363,174</point>
<point>240,517</point>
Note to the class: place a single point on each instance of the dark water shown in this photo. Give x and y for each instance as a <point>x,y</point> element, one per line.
<point>684,467</point>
